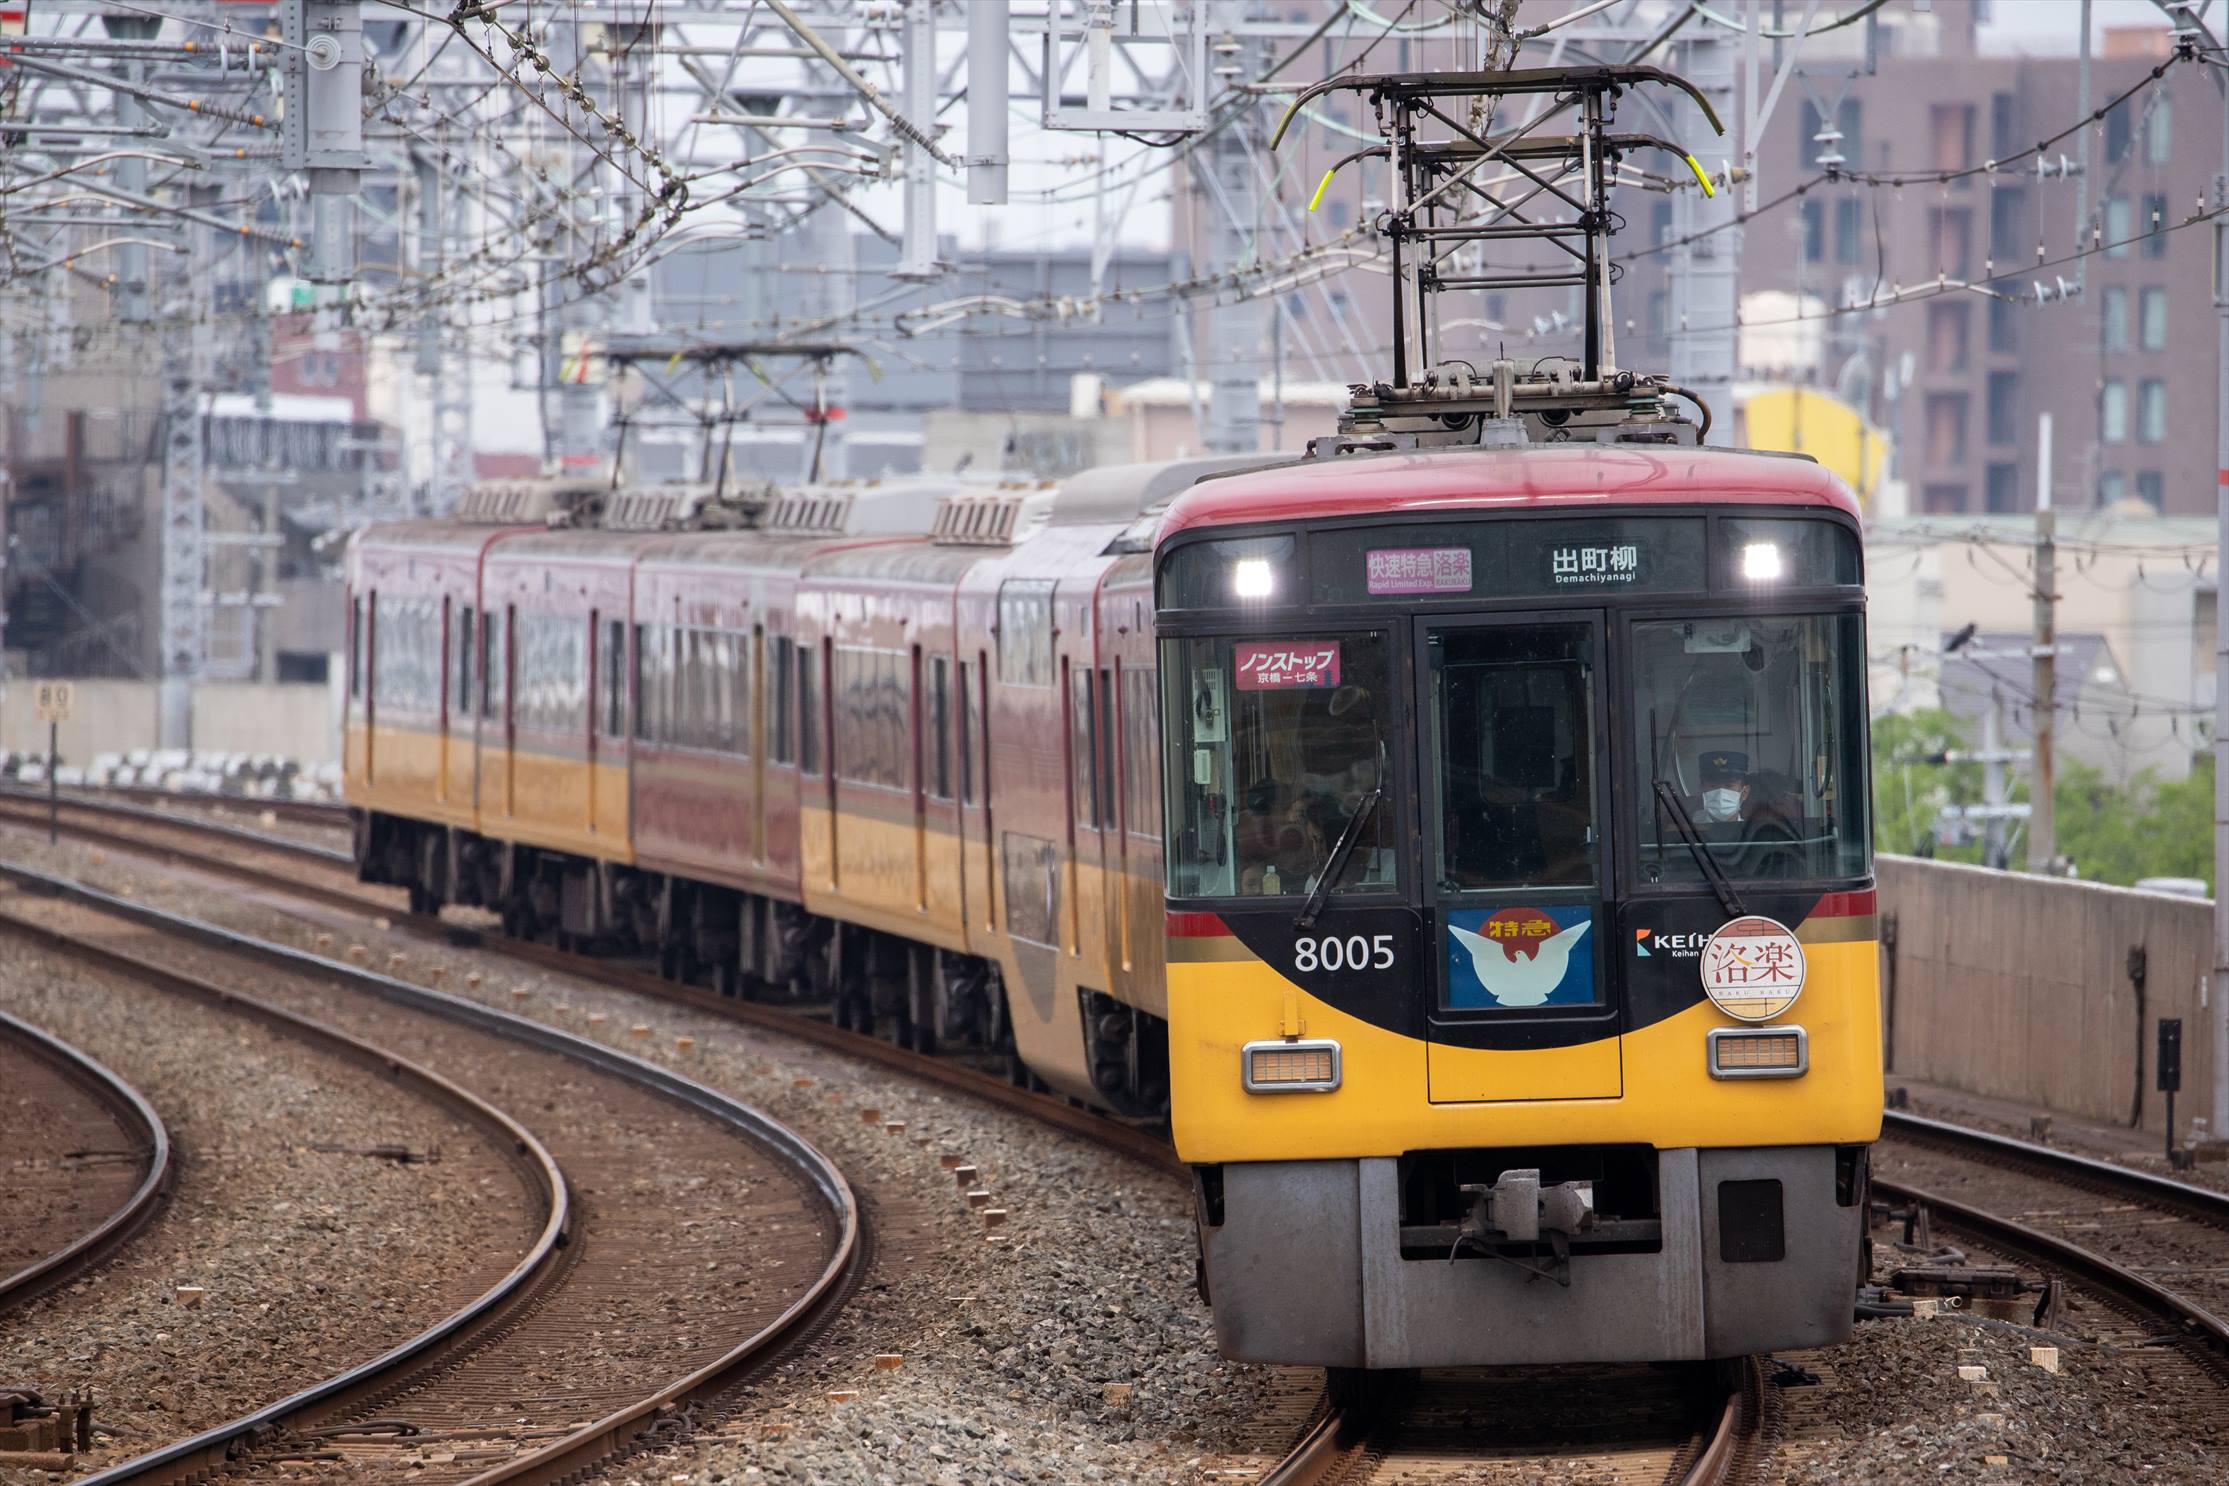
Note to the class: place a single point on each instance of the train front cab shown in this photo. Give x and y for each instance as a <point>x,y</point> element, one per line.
<point>1470,1102</point>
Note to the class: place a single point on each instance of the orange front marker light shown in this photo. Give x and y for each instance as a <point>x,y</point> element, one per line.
<point>1293,1067</point>
<point>1759,1052</point>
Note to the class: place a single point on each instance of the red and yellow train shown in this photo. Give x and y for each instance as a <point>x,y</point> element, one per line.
<point>1468,849</point>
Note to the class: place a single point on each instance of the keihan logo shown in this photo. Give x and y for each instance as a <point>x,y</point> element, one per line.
<point>1648,944</point>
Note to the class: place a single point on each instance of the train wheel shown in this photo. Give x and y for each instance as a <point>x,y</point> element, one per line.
<point>727,979</point>
<point>423,902</point>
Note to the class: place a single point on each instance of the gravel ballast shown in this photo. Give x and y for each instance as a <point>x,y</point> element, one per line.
<point>1077,1351</point>
<point>309,1260</point>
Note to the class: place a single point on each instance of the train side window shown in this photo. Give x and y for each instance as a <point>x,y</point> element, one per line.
<point>1083,746</point>
<point>646,683</point>
<point>356,647</point>
<point>808,713</point>
<point>1025,632</point>
<point>1103,744</point>
<point>614,669</point>
<point>408,674</point>
<point>966,742</point>
<point>1141,746</point>
<point>785,678</point>
<point>495,665</point>
<point>463,649</point>
<point>939,738</point>
<point>735,662</point>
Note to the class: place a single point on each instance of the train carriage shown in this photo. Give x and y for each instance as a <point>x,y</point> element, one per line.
<point>1522,981</point>
<point>1403,824</point>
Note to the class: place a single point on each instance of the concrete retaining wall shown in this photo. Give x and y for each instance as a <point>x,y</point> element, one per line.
<point>301,722</point>
<point>2018,987</point>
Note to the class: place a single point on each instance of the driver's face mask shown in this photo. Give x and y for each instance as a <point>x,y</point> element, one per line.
<point>1721,804</point>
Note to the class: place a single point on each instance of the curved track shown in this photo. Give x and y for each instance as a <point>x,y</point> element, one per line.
<point>478,1397</point>
<point>2154,1247</point>
<point>1697,1426</point>
<point>87,1162</point>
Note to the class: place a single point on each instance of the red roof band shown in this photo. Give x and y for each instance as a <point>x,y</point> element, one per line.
<point>1573,476</point>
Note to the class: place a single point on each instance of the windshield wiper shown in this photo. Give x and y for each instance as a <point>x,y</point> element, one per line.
<point>1336,862</point>
<point>1727,897</point>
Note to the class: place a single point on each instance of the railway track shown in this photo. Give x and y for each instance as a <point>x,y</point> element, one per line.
<point>2156,1249</point>
<point>87,1162</point>
<point>616,1317</point>
<point>1684,1426</point>
<point>1701,1426</point>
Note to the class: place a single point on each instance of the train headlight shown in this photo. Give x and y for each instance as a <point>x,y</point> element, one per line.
<point>1760,562</point>
<point>1294,1067</point>
<point>1253,578</point>
<point>1759,1052</point>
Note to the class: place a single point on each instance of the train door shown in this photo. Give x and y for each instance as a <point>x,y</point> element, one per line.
<point>1524,992</point>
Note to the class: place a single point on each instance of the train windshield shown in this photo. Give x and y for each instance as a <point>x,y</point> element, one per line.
<point>1275,744</point>
<point>1750,738</point>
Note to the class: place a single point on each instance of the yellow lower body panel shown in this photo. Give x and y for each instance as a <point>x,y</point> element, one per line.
<point>1668,1097</point>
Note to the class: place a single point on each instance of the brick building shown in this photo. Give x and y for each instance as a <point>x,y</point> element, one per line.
<point>2125,364</point>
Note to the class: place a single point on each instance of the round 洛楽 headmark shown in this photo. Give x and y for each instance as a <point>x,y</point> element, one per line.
<point>1753,968</point>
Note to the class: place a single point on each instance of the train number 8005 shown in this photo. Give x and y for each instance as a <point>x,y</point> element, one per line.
<point>1354,952</point>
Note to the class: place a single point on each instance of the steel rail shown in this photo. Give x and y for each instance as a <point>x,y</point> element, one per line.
<point>1337,1444</point>
<point>597,1441</point>
<point>307,812</point>
<point>1331,1444</point>
<point>2190,1321</point>
<point>23,804</point>
<point>1137,1144</point>
<point>139,1119</point>
<point>2201,1204</point>
<point>212,1447</point>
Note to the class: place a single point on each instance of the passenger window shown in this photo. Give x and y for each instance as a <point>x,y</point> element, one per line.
<point>966,741</point>
<point>614,670</point>
<point>356,647</point>
<point>939,739</point>
<point>785,675</point>
<point>808,714</point>
<point>463,649</point>
<point>1083,747</point>
<point>495,665</point>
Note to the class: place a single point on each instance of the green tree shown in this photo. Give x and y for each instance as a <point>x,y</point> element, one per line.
<point>1910,788</point>
<point>2147,828</point>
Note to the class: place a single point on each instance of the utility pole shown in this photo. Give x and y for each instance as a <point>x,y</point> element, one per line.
<point>2042,774</point>
<point>2221,540</point>
<point>987,22</point>
<point>1993,781</point>
<point>1233,343</point>
<point>1705,273</point>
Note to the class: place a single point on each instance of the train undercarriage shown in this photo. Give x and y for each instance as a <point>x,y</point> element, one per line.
<point>748,945</point>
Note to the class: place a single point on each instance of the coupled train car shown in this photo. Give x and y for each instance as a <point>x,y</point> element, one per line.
<point>1468,849</point>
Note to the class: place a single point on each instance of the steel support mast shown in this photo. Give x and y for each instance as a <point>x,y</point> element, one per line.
<point>1233,346</point>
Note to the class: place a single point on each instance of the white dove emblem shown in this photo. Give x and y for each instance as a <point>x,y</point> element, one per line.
<point>1516,980</point>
